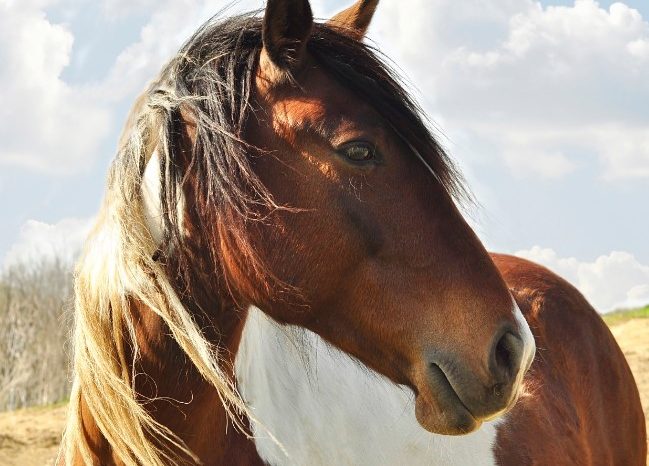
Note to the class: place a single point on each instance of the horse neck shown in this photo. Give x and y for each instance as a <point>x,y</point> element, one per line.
<point>181,399</point>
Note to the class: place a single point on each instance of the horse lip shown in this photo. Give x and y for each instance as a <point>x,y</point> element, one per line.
<point>444,383</point>
<point>438,407</point>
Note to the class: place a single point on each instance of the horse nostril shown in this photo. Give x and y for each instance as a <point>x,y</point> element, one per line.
<point>505,359</point>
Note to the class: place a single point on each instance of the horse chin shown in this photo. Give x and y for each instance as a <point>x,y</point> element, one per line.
<point>451,418</point>
<point>440,410</point>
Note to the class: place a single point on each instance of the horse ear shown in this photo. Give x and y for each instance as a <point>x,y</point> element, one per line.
<point>356,19</point>
<point>286,28</point>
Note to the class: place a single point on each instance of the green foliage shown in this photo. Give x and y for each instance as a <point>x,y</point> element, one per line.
<point>624,315</point>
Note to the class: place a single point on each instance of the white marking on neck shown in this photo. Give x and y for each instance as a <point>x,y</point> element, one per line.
<point>326,408</point>
<point>151,190</point>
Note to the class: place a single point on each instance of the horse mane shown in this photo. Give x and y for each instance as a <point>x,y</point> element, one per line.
<point>210,81</point>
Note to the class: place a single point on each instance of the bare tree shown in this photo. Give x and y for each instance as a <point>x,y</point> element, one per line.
<point>35,322</point>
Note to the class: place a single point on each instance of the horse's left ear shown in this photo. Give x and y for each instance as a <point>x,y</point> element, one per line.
<point>356,19</point>
<point>286,29</point>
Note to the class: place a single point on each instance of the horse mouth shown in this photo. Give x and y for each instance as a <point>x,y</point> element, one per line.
<point>439,408</point>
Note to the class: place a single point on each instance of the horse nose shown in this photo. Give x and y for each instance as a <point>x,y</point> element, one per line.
<point>505,358</point>
<point>505,361</point>
<point>488,385</point>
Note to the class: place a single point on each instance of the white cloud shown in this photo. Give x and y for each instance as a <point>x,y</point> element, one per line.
<point>613,281</point>
<point>537,84</point>
<point>49,125</point>
<point>546,164</point>
<point>45,124</point>
<point>170,25</point>
<point>42,241</point>
<point>123,8</point>
<point>639,48</point>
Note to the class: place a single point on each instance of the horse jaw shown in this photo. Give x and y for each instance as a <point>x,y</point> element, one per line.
<point>324,407</point>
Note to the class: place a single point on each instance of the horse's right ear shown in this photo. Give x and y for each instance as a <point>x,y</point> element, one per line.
<point>286,29</point>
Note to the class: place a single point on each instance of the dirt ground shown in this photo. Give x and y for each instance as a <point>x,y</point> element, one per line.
<point>31,437</point>
<point>633,337</point>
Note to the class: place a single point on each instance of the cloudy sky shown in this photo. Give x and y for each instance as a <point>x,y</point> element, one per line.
<point>544,104</point>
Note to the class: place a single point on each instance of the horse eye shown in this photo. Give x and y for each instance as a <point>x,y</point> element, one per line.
<point>358,151</point>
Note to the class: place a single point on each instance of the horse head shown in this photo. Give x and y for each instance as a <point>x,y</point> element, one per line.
<point>349,224</point>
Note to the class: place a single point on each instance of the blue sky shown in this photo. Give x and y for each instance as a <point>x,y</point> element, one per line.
<point>543,104</point>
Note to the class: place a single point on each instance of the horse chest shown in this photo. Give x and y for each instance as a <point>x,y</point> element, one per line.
<point>325,408</point>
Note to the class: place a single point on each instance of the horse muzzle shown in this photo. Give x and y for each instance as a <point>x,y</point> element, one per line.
<point>453,397</point>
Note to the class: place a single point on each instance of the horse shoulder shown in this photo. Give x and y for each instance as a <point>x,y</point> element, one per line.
<point>581,404</point>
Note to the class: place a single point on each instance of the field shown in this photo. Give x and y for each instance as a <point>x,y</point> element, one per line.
<point>31,436</point>
<point>616,318</point>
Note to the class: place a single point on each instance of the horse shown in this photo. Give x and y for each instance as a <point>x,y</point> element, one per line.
<point>281,273</point>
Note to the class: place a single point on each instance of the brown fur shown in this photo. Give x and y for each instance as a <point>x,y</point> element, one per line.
<point>583,406</point>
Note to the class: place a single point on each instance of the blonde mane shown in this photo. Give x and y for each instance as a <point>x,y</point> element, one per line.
<point>118,267</point>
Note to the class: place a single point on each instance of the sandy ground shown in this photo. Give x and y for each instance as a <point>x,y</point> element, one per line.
<point>31,437</point>
<point>633,337</point>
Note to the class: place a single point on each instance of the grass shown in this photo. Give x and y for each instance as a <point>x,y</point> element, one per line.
<point>621,316</point>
